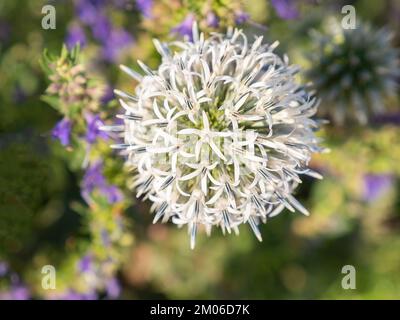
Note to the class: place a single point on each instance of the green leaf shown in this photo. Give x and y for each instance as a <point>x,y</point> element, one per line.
<point>53,101</point>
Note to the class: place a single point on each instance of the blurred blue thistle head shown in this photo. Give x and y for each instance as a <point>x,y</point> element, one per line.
<point>353,71</point>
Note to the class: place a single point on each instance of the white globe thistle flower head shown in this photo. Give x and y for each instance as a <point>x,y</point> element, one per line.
<point>219,134</point>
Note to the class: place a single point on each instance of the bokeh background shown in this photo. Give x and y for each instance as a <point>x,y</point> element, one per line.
<point>64,199</point>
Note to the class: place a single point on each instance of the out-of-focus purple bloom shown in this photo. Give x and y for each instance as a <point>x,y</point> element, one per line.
<point>113,40</point>
<point>286,9</point>
<point>102,28</point>
<point>20,293</point>
<point>375,185</point>
<point>88,10</point>
<point>93,179</point>
<point>112,193</point>
<point>118,41</point>
<point>15,292</point>
<point>108,95</point>
<point>212,19</point>
<point>70,295</point>
<point>62,131</point>
<point>185,27</point>
<point>93,131</point>
<point>389,118</point>
<point>85,264</point>
<point>113,288</point>
<point>241,17</point>
<point>3,268</point>
<point>145,7</point>
<point>76,35</point>
<point>73,295</point>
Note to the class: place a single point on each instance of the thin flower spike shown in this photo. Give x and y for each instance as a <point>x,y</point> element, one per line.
<point>219,133</point>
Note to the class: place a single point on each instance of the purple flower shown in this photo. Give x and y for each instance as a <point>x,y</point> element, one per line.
<point>3,268</point>
<point>212,19</point>
<point>93,131</point>
<point>101,28</point>
<point>16,292</point>
<point>76,35</point>
<point>62,131</point>
<point>286,9</point>
<point>70,295</point>
<point>20,293</point>
<point>119,40</point>
<point>145,7</point>
<point>241,17</point>
<point>185,27</point>
<point>113,288</point>
<point>88,10</point>
<point>375,185</point>
<point>112,193</point>
<point>113,40</point>
<point>108,95</point>
<point>94,179</point>
<point>73,295</point>
<point>85,264</point>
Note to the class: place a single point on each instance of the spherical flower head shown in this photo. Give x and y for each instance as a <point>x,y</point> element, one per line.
<point>219,133</point>
<point>353,70</point>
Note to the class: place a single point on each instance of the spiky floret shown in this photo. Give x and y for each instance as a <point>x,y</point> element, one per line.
<point>219,134</point>
<point>353,70</point>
